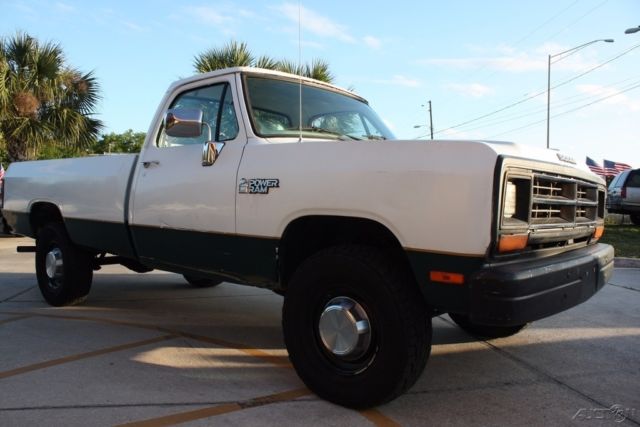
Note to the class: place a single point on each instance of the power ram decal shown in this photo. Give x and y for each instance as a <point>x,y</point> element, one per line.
<point>257,185</point>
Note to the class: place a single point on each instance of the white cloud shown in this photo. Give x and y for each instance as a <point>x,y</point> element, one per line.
<point>64,7</point>
<point>133,26</point>
<point>401,80</point>
<point>208,15</point>
<point>600,91</point>
<point>24,8</point>
<point>314,45</point>
<point>518,63</point>
<point>505,58</point>
<point>316,23</point>
<point>475,90</point>
<point>372,42</point>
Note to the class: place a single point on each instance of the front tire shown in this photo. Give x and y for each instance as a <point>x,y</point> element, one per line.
<point>63,270</point>
<point>635,219</point>
<point>357,330</point>
<point>485,331</point>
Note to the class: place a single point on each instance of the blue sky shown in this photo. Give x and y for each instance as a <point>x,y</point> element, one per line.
<point>470,58</point>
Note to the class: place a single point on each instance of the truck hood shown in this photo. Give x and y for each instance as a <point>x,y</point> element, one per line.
<point>511,149</point>
<point>500,148</point>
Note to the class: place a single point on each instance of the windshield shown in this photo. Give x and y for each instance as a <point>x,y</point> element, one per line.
<point>274,110</point>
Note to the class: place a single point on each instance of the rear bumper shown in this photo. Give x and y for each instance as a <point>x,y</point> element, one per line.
<point>521,292</point>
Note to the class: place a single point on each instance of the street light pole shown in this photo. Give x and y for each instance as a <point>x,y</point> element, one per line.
<point>574,50</point>
<point>548,97</point>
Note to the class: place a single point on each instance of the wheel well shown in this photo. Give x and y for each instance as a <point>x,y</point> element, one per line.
<point>43,213</point>
<point>307,235</point>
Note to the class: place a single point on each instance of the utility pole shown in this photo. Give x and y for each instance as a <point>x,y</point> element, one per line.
<point>548,96</point>
<point>430,120</point>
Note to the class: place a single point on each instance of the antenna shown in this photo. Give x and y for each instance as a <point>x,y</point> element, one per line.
<point>300,70</point>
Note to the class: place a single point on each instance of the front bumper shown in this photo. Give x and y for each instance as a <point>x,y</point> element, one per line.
<point>520,292</point>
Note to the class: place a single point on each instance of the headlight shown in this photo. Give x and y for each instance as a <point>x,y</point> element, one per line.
<point>509,200</point>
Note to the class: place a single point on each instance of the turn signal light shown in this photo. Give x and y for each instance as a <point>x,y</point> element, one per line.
<point>599,232</point>
<point>512,242</point>
<point>446,277</point>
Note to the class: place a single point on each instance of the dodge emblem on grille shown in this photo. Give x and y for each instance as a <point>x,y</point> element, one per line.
<point>565,158</point>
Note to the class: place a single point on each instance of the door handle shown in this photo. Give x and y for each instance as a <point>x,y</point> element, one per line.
<point>150,163</point>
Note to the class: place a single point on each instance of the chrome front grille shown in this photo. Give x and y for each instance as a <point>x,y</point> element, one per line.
<point>551,210</point>
<point>561,201</point>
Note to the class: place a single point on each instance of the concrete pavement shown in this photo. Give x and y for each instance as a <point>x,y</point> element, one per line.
<point>148,349</point>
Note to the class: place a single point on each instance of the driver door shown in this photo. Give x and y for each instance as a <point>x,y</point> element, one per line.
<point>182,212</point>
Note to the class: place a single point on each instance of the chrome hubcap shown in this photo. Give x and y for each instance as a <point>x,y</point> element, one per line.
<point>344,328</point>
<point>53,263</point>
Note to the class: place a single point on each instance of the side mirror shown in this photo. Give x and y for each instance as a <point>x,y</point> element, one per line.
<point>183,123</point>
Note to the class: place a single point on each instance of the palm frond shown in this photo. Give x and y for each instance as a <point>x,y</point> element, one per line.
<point>43,101</point>
<point>287,66</point>
<point>266,63</point>
<point>233,54</point>
<point>319,70</point>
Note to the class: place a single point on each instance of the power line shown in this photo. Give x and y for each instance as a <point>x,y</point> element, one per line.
<point>589,12</point>
<point>522,39</point>
<point>560,103</point>
<point>536,94</point>
<point>566,112</point>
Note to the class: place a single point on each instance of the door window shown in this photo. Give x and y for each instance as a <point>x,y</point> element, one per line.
<point>219,117</point>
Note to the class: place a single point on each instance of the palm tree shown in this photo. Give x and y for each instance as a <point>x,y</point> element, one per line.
<point>42,99</point>
<point>235,54</point>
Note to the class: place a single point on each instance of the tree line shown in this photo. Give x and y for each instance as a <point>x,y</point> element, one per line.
<point>48,107</point>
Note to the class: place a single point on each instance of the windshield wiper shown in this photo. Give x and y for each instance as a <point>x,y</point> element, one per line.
<point>341,136</point>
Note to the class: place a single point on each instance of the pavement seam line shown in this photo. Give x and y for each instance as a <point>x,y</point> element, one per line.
<point>14,319</point>
<point>548,376</point>
<point>279,361</point>
<point>24,291</point>
<point>624,287</point>
<point>541,372</point>
<point>212,411</point>
<point>374,416</point>
<point>80,356</point>
<point>378,419</point>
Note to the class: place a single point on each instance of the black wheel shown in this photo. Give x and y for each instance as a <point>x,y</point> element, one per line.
<point>4,227</point>
<point>357,330</point>
<point>486,331</point>
<point>64,271</point>
<point>202,282</point>
<point>635,219</point>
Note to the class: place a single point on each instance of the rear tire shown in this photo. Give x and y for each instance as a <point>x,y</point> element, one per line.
<point>64,271</point>
<point>201,282</point>
<point>485,331</point>
<point>357,330</point>
<point>635,219</point>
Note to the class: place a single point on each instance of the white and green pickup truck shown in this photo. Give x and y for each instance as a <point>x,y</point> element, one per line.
<point>272,180</point>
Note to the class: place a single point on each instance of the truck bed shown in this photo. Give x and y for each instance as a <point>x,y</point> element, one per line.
<point>90,193</point>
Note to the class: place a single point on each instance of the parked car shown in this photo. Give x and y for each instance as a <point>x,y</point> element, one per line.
<point>624,195</point>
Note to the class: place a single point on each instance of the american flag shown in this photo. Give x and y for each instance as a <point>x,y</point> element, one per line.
<point>614,168</point>
<point>596,168</point>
